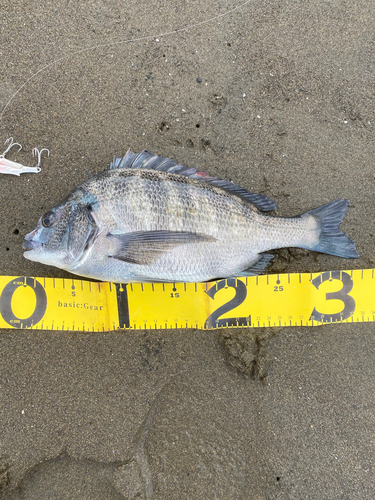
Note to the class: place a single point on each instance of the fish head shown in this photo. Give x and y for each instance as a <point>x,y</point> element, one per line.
<point>63,235</point>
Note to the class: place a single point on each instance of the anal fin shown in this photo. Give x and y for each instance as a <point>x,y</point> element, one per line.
<point>258,267</point>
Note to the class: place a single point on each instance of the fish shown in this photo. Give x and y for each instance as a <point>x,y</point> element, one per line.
<point>148,218</point>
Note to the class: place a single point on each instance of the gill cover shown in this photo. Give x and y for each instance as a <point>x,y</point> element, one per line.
<point>81,232</point>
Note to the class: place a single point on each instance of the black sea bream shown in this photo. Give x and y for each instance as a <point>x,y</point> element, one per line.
<point>150,219</point>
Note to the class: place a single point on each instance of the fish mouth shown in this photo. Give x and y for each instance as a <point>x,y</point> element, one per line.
<point>32,250</point>
<point>31,241</point>
<point>31,245</point>
<point>28,245</point>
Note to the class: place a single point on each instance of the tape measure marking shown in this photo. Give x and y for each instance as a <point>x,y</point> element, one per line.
<point>123,305</point>
<point>6,297</point>
<point>303,299</point>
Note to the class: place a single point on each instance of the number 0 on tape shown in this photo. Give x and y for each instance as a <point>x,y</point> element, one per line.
<point>273,300</point>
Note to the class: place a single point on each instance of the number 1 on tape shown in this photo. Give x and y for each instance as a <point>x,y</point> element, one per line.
<point>259,301</point>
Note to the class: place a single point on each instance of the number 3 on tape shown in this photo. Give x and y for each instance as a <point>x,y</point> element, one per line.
<point>348,301</point>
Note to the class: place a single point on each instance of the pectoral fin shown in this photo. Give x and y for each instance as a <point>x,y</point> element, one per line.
<point>144,247</point>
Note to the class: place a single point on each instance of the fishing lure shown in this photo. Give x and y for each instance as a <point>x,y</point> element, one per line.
<point>14,168</point>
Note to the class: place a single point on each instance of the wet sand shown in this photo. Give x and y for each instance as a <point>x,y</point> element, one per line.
<point>276,96</point>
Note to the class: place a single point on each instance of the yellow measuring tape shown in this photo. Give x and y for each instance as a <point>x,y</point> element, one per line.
<point>274,300</point>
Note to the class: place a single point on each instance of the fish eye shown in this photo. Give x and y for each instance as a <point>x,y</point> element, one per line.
<point>48,219</point>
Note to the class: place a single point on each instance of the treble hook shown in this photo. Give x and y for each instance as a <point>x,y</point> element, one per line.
<point>10,146</point>
<point>38,153</point>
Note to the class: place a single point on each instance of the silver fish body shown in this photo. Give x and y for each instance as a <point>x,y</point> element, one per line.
<point>150,219</point>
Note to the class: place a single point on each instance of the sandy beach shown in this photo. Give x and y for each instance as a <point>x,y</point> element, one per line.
<point>277,96</point>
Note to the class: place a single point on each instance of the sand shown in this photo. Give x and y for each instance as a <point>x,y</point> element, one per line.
<point>277,96</point>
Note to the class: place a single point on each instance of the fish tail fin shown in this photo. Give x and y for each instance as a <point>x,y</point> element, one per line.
<point>331,239</point>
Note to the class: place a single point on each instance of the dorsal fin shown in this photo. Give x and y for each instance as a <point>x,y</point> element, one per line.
<point>147,160</point>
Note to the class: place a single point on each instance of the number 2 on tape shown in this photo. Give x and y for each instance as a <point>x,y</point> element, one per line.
<point>241,293</point>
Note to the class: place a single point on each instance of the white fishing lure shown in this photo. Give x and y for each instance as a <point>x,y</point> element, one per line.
<point>14,168</point>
